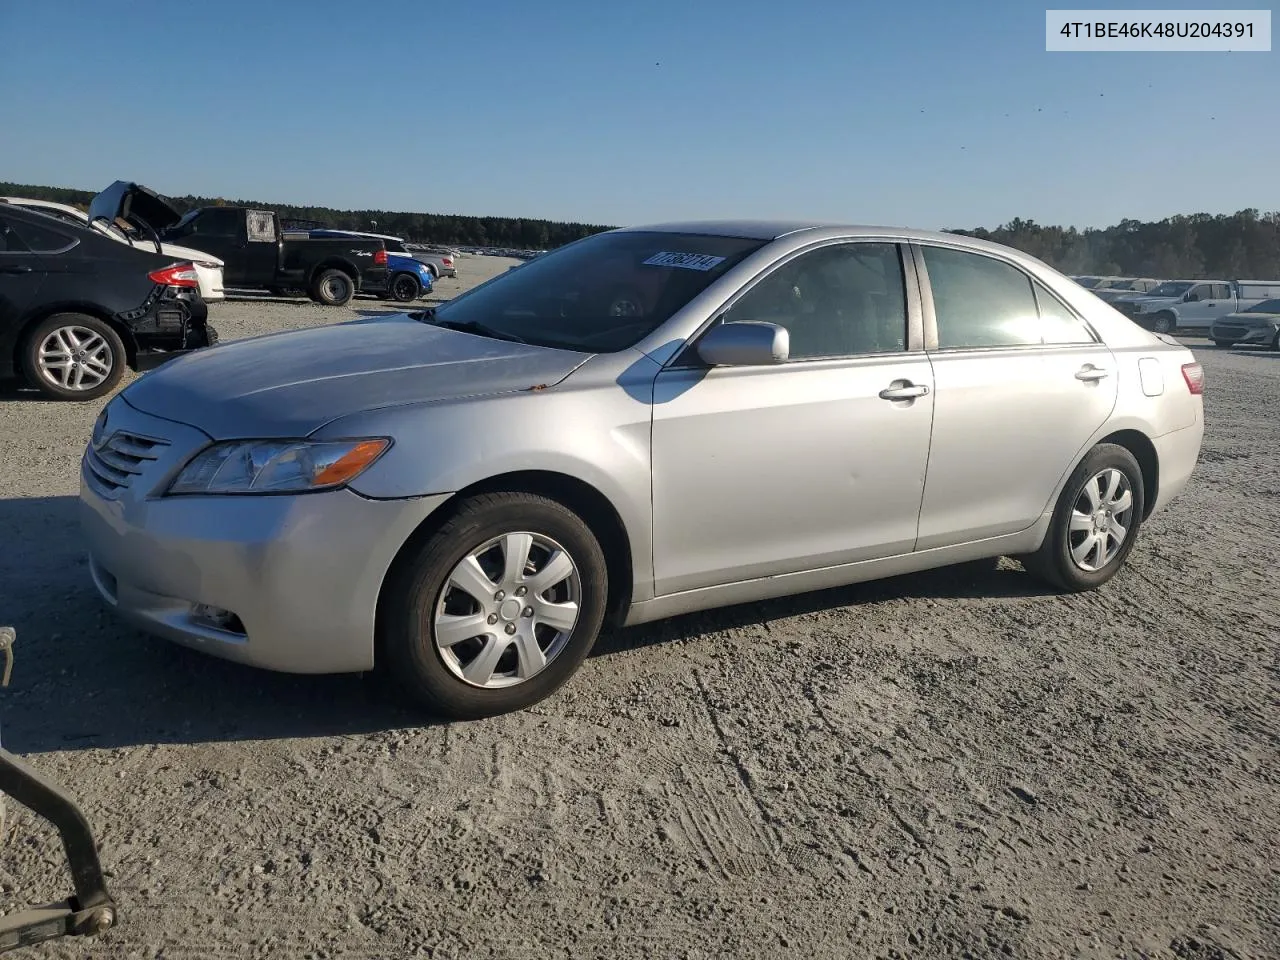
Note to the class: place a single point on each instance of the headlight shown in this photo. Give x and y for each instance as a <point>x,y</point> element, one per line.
<point>277,466</point>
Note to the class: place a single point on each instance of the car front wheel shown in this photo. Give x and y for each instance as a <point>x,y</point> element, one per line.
<point>497,609</point>
<point>405,287</point>
<point>1095,522</point>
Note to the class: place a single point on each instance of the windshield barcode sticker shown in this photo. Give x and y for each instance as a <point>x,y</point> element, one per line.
<point>688,261</point>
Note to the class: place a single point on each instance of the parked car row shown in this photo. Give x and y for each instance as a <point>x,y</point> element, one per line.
<point>209,269</point>
<point>1228,311</point>
<point>78,305</point>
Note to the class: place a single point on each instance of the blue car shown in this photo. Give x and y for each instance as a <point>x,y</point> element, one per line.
<point>407,278</point>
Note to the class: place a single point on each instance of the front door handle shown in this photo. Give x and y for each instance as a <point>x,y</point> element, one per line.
<point>15,269</point>
<point>1090,373</point>
<point>903,390</point>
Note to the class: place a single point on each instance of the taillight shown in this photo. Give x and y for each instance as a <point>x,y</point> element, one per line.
<point>380,258</point>
<point>447,261</point>
<point>1193,373</point>
<point>176,275</point>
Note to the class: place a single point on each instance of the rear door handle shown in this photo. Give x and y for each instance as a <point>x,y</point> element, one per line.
<point>1089,373</point>
<point>903,390</point>
<point>14,269</point>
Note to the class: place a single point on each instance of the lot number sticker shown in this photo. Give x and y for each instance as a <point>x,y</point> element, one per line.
<point>687,261</point>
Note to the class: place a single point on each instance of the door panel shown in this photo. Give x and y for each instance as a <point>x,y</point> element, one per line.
<point>1007,425</point>
<point>762,471</point>
<point>1021,385</point>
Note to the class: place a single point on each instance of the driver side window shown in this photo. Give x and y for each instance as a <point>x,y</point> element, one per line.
<point>842,300</point>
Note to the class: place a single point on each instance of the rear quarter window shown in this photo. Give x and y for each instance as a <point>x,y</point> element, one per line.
<point>42,239</point>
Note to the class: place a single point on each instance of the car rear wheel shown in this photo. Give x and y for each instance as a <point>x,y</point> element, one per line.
<point>497,609</point>
<point>1095,522</point>
<point>333,288</point>
<point>1275,341</point>
<point>405,287</point>
<point>434,271</point>
<point>73,356</point>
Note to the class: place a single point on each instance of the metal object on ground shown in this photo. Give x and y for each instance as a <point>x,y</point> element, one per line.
<point>90,911</point>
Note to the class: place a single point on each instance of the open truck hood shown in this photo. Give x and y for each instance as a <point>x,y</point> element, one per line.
<point>134,204</point>
<point>292,383</point>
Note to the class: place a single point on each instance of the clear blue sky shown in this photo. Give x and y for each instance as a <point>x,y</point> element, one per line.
<point>927,114</point>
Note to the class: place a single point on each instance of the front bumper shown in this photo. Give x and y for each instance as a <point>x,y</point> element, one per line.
<point>1239,333</point>
<point>301,574</point>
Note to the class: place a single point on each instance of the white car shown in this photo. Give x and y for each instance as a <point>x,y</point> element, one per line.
<point>208,268</point>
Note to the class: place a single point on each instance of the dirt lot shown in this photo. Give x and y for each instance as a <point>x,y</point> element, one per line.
<point>950,764</point>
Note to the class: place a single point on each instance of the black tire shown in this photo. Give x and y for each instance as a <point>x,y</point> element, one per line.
<point>211,335</point>
<point>1275,341</point>
<point>418,588</point>
<point>1054,562</point>
<point>1223,343</point>
<point>405,287</point>
<point>111,351</point>
<point>332,287</point>
<point>1163,323</point>
<point>434,271</point>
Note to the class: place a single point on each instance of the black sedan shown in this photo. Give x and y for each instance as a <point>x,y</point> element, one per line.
<point>76,307</point>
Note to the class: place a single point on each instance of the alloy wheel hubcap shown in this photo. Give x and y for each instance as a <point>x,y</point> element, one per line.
<point>507,610</point>
<point>1100,520</point>
<point>75,358</point>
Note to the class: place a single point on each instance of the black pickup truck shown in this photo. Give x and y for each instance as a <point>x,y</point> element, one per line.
<point>257,253</point>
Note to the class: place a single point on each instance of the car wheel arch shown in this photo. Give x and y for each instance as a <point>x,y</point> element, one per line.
<point>596,510</point>
<point>337,263</point>
<point>33,320</point>
<point>1144,451</point>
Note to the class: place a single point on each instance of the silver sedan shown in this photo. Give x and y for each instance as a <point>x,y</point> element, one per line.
<point>646,422</point>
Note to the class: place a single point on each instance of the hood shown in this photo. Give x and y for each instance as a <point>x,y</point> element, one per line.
<point>135,204</point>
<point>1253,319</point>
<point>291,384</point>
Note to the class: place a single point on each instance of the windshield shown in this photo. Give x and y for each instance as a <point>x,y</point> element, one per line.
<point>1266,306</point>
<point>1171,289</point>
<point>598,295</point>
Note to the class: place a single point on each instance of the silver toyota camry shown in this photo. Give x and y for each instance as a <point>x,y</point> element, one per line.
<point>647,422</point>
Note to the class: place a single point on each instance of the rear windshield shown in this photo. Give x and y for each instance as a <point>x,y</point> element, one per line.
<point>601,294</point>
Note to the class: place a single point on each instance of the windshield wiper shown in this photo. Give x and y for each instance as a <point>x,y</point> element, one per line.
<point>483,329</point>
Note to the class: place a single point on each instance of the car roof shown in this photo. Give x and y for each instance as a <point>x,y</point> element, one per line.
<point>48,204</point>
<point>820,230</point>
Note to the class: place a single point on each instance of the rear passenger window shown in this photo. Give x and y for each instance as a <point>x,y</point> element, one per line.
<point>42,239</point>
<point>980,302</point>
<point>1057,323</point>
<point>9,242</point>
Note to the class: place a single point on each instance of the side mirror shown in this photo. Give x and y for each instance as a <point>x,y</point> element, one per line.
<point>746,343</point>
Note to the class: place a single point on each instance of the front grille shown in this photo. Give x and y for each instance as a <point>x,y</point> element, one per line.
<point>120,459</point>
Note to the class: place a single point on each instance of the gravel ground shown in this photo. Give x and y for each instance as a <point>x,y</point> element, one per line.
<point>949,764</point>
